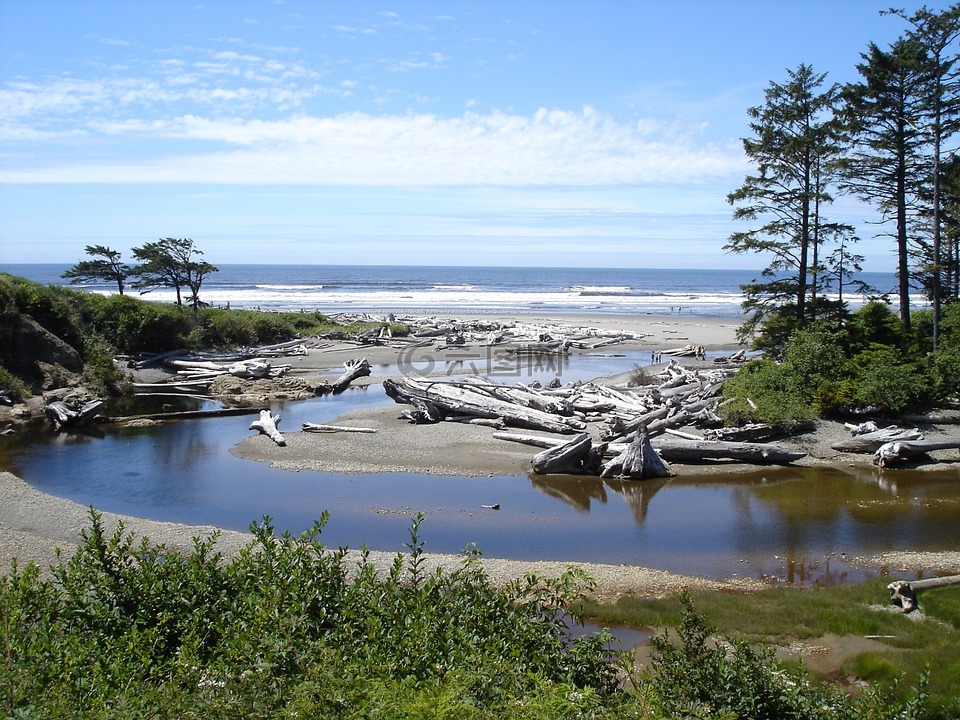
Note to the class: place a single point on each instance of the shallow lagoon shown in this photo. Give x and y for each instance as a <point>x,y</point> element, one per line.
<point>797,524</point>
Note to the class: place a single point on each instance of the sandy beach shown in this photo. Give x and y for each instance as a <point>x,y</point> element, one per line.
<point>34,524</point>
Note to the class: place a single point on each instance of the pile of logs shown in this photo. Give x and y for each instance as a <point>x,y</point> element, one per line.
<point>622,422</point>
<point>196,371</point>
<point>520,338</point>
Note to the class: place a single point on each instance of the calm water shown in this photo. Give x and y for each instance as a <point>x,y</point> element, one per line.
<point>795,524</point>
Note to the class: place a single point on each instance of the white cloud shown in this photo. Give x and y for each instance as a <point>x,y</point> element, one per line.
<point>550,148</point>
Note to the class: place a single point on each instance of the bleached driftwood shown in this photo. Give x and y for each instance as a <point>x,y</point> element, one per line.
<point>869,442</point>
<point>638,462</point>
<point>891,453</point>
<point>320,428</point>
<point>353,369</point>
<point>66,415</point>
<point>679,450</point>
<point>267,425</point>
<point>458,399</point>
<point>577,455</point>
<point>904,592</point>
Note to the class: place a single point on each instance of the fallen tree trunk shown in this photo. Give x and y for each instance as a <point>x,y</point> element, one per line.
<point>893,452</point>
<point>575,456</point>
<point>64,415</point>
<point>638,462</point>
<point>179,415</point>
<point>354,369</point>
<point>267,425</point>
<point>904,593</point>
<point>871,441</point>
<point>453,399</point>
<point>320,428</point>
<point>678,450</point>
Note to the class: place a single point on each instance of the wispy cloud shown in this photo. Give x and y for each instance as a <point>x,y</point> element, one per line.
<point>550,148</point>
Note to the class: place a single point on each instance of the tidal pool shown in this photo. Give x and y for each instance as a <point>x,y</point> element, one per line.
<point>799,525</point>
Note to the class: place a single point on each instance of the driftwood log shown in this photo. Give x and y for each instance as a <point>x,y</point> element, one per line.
<point>319,428</point>
<point>638,461</point>
<point>891,453</point>
<point>267,425</point>
<point>353,369</point>
<point>680,450</point>
<point>572,457</point>
<point>66,415</point>
<point>871,441</point>
<point>458,399</point>
<point>904,593</point>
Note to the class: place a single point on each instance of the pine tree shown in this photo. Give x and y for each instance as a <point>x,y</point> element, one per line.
<point>794,147</point>
<point>884,164</point>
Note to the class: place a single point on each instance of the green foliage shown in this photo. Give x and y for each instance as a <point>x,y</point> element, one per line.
<point>763,392</point>
<point>126,629</point>
<point>882,379</point>
<point>16,389</point>
<point>874,324</point>
<point>703,674</point>
<point>827,369</point>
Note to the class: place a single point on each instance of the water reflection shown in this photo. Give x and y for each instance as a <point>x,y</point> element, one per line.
<point>799,525</point>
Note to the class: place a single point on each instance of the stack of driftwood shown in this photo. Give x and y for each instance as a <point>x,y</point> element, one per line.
<point>520,337</point>
<point>613,427</point>
<point>195,371</point>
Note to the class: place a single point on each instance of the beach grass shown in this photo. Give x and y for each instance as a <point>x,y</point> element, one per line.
<point>928,641</point>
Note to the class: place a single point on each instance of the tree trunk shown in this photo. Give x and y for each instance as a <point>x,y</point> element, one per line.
<point>638,462</point>
<point>575,456</point>
<point>267,425</point>
<point>354,369</point>
<point>452,399</point>
<point>63,415</point>
<point>893,452</point>
<point>904,593</point>
<point>320,428</point>
<point>676,450</point>
<point>872,441</point>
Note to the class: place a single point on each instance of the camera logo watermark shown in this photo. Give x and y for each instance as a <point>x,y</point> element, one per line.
<point>488,360</point>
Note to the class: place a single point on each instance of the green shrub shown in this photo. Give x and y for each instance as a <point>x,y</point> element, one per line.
<point>126,628</point>
<point>762,391</point>
<point>874,324</point>
<point>16,388</point>
<point>705,675</point>
<point>883,380</point>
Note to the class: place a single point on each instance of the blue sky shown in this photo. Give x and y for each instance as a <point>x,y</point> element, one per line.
<point>560,133</point>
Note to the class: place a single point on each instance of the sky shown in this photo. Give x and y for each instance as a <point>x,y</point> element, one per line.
<point>600,133</point>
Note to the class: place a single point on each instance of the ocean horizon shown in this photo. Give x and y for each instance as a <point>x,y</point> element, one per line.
<point>409,289</point>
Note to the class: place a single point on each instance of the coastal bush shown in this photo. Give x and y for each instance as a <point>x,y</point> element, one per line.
<point>127,629</point>
<point>703,674</point>
<point>763,391</point>
<point>289,628</point>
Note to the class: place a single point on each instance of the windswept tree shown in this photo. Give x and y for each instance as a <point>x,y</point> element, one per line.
<point>174,263</point>
<point>794,147</point>
<point>106,266</point>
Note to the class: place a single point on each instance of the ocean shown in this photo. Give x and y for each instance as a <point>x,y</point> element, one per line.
<point>412,290</point>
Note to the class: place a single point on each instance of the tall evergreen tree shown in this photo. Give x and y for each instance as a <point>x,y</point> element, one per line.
<point>884,165</point>
<point>936,33</point>
<point>794,147</point>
